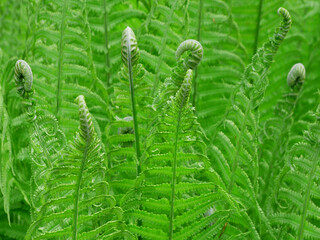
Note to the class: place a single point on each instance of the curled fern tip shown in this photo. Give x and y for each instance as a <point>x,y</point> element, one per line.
<point>129,47</point>
<point>23,78</point>
<point>296,75</point>
<point>86,125</point>
<point>194,57</point>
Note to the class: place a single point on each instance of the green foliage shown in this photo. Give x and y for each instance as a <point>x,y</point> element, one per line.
<point>203,121</point>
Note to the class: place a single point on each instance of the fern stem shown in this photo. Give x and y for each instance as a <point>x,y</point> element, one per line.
<point>195,86</point>
<point>87,134</point>
<point>62,27</point>
<point>315,159</point>
<point>106,42</point>
<point>186,20</point>
<point>256,39</point>
<point>163,46</point>
<point>133,105</point>
<point>78,184</point>
<point>174,171</point>
<point>148,19</point>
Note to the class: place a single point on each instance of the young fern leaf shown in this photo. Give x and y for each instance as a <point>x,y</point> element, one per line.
<point>76,202</point>
<point>47,140</point>
<point>23,78</point>
<point>234,149</point>
<point>177,199</point>
<point>130,56</point>
<point>193,59</point>
<point>6,145</point>
<point>188,56</point>
<point>131,112</point>
<point>277,132</point>
<point>296,76</point>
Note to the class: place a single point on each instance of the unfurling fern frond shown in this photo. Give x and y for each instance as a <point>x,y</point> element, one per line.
<point>213,24</point>
<point>235,150</point>
<point>188,55</point>
<point>277,134</point>
<point>76,201</point>
<point>6,144</point>
<point>23,78</point>
<point>47,140</point>
<point>174,197</point>
<point>299,192</point>
<point>195,55</point>
<point>296,76</point>
<point>131,112</point>
<point>130,57</point>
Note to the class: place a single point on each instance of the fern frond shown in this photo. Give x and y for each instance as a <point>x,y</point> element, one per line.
<point>277,132</point>
<point>47,140</point>
<point>76,202</point>
<point>131,113</point>
<point>236,139</point>
<point>175,177</point>
<point>188,56</point>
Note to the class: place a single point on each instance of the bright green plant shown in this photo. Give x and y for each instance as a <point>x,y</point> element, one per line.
<point>141,119</point>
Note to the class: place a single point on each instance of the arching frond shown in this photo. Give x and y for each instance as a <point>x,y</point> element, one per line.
<point>176,177</point>
<point>76,202</point>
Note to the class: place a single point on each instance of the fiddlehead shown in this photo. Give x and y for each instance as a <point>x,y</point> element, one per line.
<point>296,76</point>
<point>184,62</point>
<point>129,47</point>
<point>130,58</point>
<point>23,78</point>
<point>278,36</point>
<point>190,61</point>
<point>236,133</point>
<point>255,82</point>
<point>86,125</point>
<point>195,55</point>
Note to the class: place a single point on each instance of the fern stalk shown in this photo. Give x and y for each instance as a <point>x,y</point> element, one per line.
<point>256,39</point>
<point>89,47</point>
<point>106,36</point>
<point>86,130</point>
<point>163,45</point>
<point>127,43</point>
<point>184,94</point>
<point>195,87</point>
<point>62,28</point>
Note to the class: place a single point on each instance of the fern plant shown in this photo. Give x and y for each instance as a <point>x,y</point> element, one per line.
<point>78,204</point>
<point>176,177</point>
<point>277,131</point>
<point>191,134</point>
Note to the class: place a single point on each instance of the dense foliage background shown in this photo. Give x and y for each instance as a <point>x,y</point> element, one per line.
<point>210,139</point>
